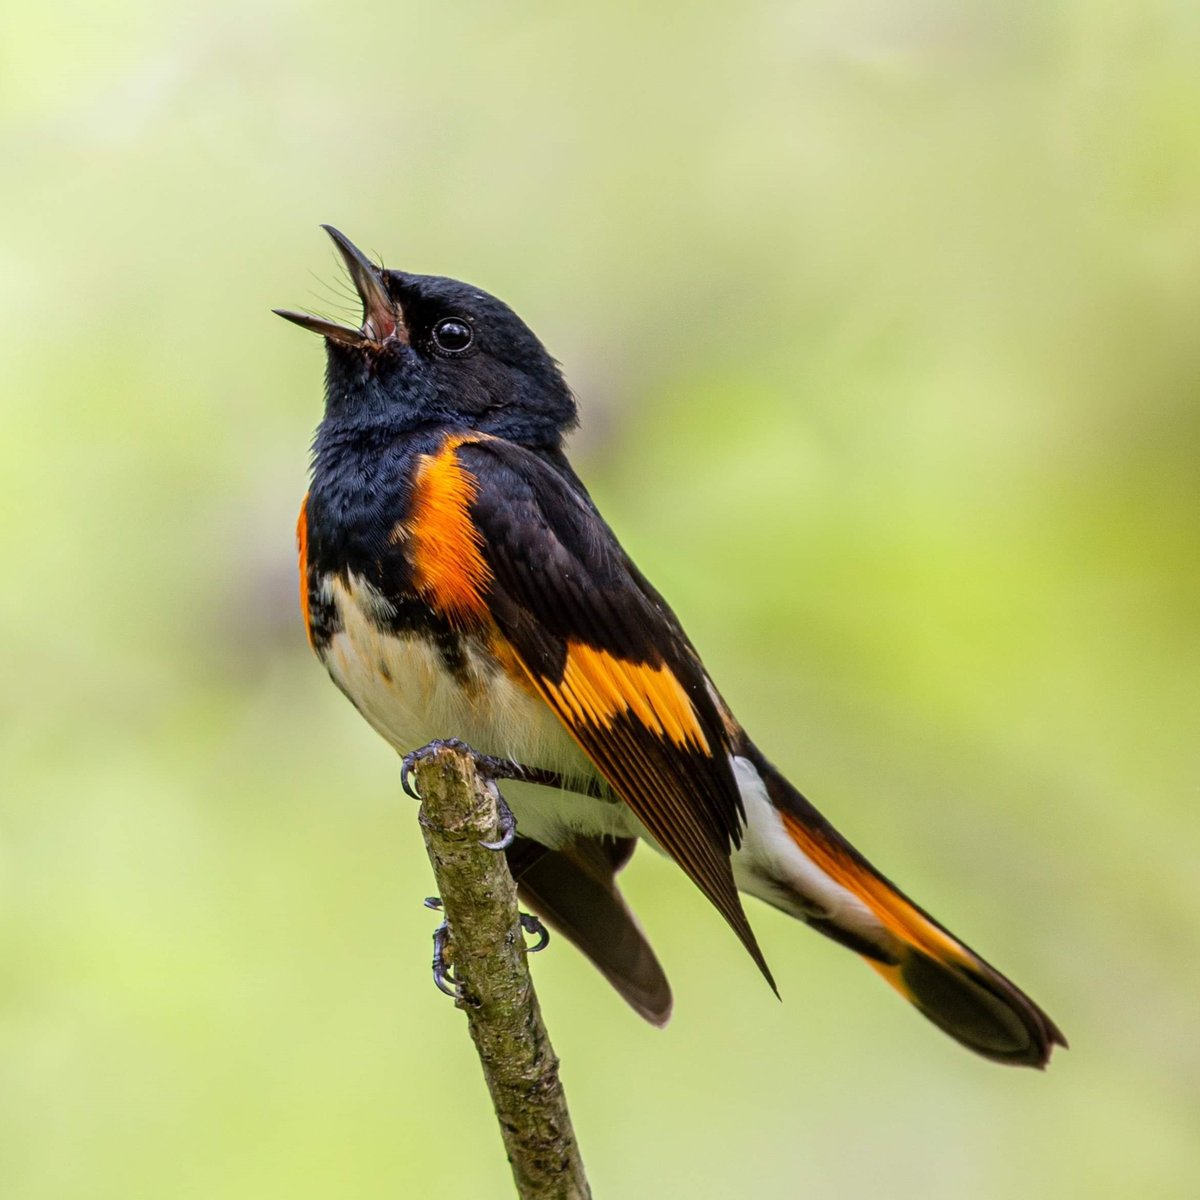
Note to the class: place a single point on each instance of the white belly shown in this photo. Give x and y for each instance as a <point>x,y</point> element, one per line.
<point>402,687</point>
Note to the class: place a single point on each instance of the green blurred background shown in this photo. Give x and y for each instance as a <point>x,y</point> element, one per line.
<point>883,318</point>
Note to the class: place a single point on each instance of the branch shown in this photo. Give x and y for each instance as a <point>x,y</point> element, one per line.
<point>487,949</point>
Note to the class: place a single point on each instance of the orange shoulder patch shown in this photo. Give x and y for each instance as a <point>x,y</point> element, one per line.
<point>302,549</point>
<point>447,558</point>
<point>597,687</point>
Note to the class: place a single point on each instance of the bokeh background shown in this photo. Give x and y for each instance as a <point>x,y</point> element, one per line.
<point>883,318</point>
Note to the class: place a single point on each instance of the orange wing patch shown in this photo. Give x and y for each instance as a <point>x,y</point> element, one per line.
<point>447,559</point>
<point>597,687</point>
<point>302,548</point>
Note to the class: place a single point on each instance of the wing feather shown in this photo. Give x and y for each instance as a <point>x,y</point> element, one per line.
<point>608,656</point>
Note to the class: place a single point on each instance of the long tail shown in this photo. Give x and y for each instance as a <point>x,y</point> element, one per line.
<point>793,858</point>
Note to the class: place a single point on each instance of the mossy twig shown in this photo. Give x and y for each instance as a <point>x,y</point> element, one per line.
<point>486,950</point>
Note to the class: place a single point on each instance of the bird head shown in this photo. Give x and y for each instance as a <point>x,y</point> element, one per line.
<point>432,350</point>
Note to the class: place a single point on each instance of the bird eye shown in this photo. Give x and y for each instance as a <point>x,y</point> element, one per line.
<point>453,336</point>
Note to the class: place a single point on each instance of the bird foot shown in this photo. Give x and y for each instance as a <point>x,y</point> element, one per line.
<point>508,826</point>
<point>443,977</point>
<point>489,768</point>
<point>532,925</point>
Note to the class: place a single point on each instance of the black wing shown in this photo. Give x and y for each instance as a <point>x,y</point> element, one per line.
<point>610,659</point>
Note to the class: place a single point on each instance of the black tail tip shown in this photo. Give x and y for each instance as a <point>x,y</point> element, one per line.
<point>979,1008</point>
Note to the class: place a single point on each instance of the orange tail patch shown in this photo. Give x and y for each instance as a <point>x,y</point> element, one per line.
<point>895,913</point>
<point>943,979</point>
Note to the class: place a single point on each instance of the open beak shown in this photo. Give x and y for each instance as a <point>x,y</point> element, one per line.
<point>380,321</point>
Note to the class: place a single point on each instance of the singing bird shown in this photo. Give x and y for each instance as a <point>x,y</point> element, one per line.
<point>457,580</point>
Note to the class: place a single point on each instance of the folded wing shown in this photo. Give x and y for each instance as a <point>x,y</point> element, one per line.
<point>608,656</point>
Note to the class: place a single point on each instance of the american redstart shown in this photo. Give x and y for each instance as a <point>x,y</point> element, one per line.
<point>457,581</point>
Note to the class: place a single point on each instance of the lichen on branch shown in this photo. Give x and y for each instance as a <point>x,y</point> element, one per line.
<point>486,949</point>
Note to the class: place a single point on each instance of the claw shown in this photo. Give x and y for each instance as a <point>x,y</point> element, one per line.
<point>405,786</point>
<point>532,925</point>
<point>442,975</point>
<point>411,759</point>
<point>508,826</point>
<point>488,766</point>
<point>490,769</point>
<point>443,979</point>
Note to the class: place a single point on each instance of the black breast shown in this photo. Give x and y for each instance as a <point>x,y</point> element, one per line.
<point>357,507</point>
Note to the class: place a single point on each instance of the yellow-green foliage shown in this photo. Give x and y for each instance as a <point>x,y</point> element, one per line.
<point>883,319</point>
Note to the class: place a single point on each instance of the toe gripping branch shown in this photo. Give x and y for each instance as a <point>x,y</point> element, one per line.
<point>443,976</point>
<point>489,769</point>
